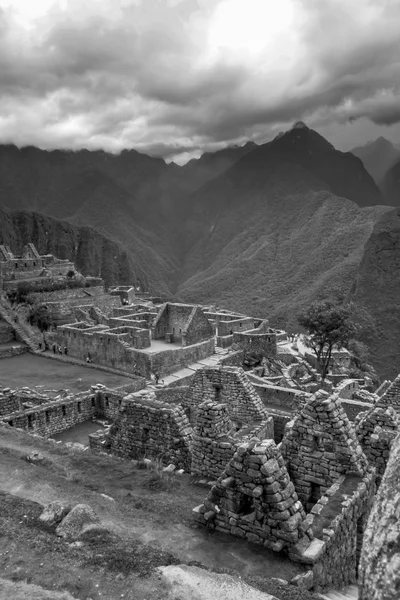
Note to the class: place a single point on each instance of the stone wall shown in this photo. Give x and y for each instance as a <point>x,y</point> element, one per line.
<point>234,325</point>
<point>55,416</point>
<point>149,428</point>
<point>263,344</point>
<point>319,446</point>
<point>215,439</point>
<point>338,521</point>
<point>227,385</point>
<point>347,387</point>
<point>255,499</point>
<point>376,430</point>
<point>115,348</point>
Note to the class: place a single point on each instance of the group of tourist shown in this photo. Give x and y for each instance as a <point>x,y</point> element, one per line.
<point>58,349</point>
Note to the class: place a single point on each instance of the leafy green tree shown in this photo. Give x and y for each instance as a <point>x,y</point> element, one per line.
<point>329,325</point>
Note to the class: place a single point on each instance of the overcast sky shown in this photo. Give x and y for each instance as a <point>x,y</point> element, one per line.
<point>176,77</point>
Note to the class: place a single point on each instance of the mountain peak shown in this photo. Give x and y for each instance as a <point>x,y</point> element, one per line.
<point>299,125</point>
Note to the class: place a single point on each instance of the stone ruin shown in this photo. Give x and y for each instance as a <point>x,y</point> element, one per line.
<point>255,499</point>
<point>150,428</point>
<point>376,430</point>
<point>319,446</point>
<point>215,438</point>
<point>309,496</point>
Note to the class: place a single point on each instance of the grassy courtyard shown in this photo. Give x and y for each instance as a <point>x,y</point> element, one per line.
<point>36,371</point>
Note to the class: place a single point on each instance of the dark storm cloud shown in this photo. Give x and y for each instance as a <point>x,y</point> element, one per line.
<point>145,74</point>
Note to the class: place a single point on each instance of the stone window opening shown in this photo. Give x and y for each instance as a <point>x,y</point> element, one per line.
<point>47,417</point>
<point>145,434</point>
<point>30,421</point>
<point>26,265</point>
<point>79,407</point>
<point>16,265</point>
<point>316,444</point>
<point>93,402</point>
<point>11,423</point>
<point>246,505</point>
<point>64,411</point>
<point>107,402</point>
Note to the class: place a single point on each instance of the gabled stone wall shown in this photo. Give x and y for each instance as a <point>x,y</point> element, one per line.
<point>320,445</point>
<point>149,428</point>
<point>376,430</point>
<point>255,499</point>
<point>234,389</point>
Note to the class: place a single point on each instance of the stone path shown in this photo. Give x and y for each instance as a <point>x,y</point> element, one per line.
<point>210,361</point>
<point>348,593</point>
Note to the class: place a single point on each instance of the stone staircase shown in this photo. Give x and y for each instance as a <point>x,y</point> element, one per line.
<point>348,593</point>
<point>29,339</point>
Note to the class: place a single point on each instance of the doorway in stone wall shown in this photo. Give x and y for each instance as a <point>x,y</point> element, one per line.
<point>359,540</point>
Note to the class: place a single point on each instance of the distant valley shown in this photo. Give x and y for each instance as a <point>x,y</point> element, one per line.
<point>264,229</point>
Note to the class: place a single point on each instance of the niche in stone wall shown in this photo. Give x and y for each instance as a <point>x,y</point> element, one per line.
<point>315,495</point>
<point>245,505</point>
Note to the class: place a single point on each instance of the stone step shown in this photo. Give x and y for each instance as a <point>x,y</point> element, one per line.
<point>348,593</point>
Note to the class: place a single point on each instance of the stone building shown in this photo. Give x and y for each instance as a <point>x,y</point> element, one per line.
<point>319,446</point>
<point>30,264</point>
<point>309,496</point>
<point>185,324</point>
<point>147,427</point>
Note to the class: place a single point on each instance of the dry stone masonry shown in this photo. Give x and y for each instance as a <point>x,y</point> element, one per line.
<point>320,445</point>
<point>255,499</point>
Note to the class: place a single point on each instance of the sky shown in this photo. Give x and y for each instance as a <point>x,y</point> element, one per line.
<point>175,78</point>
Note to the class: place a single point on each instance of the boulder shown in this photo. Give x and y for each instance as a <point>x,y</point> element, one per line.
<point>72,525</point>
<point>35,457</point>
<point>54,512</point>
<point>305,581</point>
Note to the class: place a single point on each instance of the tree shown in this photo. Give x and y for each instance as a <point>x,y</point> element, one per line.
<point>328,325</point>
<point>40,316</point>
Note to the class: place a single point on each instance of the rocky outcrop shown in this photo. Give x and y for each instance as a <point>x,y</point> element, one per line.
<point>377,288</point>
<point>380,559</point>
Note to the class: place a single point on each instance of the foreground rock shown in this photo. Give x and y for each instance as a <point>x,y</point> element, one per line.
<point>76,520</point>
<point>380,559</point>
<point>183,581</point>
<point>54,512</point>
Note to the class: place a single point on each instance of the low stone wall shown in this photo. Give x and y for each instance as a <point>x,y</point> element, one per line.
<point>354,407</point>
<point>233,359</point>
<point>56,416</point>
<point>172,395</point>
<point>347,387</point>
<point>263,344</point>
<point>224,341</point>
<point>336,563</point>
<point>12,351</point>
<point>286,398</point>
